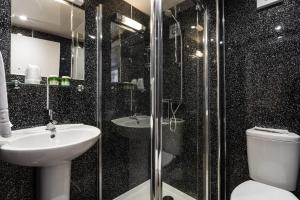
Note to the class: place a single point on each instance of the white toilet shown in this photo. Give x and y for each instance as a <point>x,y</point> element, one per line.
<point>273,160</point>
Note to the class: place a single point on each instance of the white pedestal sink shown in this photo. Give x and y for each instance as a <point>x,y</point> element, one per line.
<point>52,154</point>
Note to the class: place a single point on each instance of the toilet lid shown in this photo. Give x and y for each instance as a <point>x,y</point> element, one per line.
<point>251,190</point>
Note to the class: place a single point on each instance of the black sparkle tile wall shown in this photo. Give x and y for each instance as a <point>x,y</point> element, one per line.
<point>262,76</point>
<point>27,109</point>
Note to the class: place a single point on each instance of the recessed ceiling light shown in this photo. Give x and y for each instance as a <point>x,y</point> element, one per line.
<point>23,17</point>
<point>199,54</point>
<point>92,37</point>
<point>278,28</point>
<point>61,1</point>
<point>77,2</point>
<point>198,27</point>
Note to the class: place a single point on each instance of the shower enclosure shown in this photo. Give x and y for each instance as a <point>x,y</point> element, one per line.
<point>153,99</point>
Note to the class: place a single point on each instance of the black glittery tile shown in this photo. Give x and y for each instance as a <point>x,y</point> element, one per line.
<point>83,177</point>
<point>16,182</point>
<point>262,76</point>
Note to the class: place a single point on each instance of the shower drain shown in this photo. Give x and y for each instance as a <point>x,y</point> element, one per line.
<point>168,198</point>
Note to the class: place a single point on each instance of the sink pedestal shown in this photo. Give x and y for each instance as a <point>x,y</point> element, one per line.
<point>54,182</point>
<point>36,147</point>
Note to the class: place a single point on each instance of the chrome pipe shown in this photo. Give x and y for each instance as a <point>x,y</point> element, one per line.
<point>99,18</point>
<point>156,81</point>
<point>206,129</point>
<point>221,98</point>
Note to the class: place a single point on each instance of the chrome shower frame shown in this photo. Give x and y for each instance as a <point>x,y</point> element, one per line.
<point>99,18</point>
<point>156,82</point>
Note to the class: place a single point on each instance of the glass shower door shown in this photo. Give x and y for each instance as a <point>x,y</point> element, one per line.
<point>182,111</point>
<point>125,101</point>
<point>181,71</point>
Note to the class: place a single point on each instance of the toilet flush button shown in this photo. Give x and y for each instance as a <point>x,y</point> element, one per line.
<point>265,3</point>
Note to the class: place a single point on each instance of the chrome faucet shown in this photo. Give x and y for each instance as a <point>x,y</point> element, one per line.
<point>135,117</point>
<point>50,112</point>
<point>51,125</point>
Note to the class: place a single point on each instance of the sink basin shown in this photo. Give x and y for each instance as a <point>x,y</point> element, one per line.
<point>132,128</point>
<point>34,147</point>
<point>140,128</point>
<point>51,153</point>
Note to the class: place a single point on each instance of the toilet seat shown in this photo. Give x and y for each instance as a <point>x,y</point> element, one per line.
<point>252,190</point>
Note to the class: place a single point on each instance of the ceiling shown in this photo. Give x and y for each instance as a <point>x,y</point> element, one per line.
<point>50,16</point>
<point>145,6</point>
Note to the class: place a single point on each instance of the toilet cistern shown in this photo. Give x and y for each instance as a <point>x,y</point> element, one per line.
<point>273,161</point>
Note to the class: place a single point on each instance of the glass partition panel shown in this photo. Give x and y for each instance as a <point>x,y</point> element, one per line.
<point>155,114</point>
<point>183,113</point>
<point>126,100</point>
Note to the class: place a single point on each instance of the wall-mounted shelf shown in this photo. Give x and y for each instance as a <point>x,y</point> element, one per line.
<point>124,85</point>
<point>16,85</point>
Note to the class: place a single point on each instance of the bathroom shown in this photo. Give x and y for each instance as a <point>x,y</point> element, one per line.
<point>160,97</point>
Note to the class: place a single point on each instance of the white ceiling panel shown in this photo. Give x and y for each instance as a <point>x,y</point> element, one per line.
<point>145,5</point>
<point>51,16</point>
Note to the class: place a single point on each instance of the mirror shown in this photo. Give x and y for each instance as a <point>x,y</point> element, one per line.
<point>128,50</point>
<point>47,39</point>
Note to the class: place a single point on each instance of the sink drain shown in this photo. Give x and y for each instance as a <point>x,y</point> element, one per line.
<point>168,198</point>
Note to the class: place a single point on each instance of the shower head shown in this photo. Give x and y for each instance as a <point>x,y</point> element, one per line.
<point>169,13</point>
